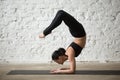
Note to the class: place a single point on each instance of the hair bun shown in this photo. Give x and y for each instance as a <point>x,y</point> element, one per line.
<point>57,53</point>
<point>61,50</point>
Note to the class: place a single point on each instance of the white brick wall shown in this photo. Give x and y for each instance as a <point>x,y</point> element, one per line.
<point>21,21</point>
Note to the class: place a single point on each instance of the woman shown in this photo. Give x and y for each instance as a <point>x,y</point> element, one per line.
<point>77,31</point>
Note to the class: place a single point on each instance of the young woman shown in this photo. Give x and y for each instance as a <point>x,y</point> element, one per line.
<point>74,49</point>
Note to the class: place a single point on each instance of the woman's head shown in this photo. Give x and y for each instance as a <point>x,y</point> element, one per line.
<point>59,56</point>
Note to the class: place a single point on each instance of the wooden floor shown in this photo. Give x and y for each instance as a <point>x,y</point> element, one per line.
<point>4,69</point>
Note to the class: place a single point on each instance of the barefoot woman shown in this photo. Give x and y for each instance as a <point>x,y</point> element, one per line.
<point>74,49</point>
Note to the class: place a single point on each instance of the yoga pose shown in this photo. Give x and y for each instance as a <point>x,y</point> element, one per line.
<point>74,49</point>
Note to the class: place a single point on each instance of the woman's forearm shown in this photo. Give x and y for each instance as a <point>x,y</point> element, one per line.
<point>63,70</point>
<point>67,70</point>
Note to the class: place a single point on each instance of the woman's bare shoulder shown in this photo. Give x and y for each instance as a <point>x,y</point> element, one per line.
<point>70,51</point>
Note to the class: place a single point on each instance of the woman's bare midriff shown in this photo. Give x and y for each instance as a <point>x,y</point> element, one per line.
<point>80,41</point>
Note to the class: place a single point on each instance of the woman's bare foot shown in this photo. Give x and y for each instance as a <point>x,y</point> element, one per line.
<point>41,35</point>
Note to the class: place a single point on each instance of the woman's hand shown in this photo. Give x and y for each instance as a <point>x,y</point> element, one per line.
<point>55,71</point>
<point>60,70</point>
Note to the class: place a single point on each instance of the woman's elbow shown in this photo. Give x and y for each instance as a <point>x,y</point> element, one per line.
<point>72,71</point>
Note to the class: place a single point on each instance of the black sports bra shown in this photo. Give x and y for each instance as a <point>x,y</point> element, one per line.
<point>76,48</point>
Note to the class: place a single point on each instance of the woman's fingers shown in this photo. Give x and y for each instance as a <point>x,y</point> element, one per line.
<point>55,71</point>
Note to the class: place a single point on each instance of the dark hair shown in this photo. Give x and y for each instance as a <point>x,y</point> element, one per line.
<point>57,53</point>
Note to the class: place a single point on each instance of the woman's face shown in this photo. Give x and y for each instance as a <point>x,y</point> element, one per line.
<point>60,60</point>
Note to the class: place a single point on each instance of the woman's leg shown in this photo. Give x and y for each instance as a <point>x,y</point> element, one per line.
<point>61,16</point>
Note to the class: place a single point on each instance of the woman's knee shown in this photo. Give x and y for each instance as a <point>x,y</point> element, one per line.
<point>61,12</point>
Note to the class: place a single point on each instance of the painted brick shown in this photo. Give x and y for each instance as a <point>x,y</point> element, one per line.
<point>21,22</point>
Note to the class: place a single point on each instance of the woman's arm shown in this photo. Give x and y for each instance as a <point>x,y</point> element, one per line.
<point>71,58</point>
